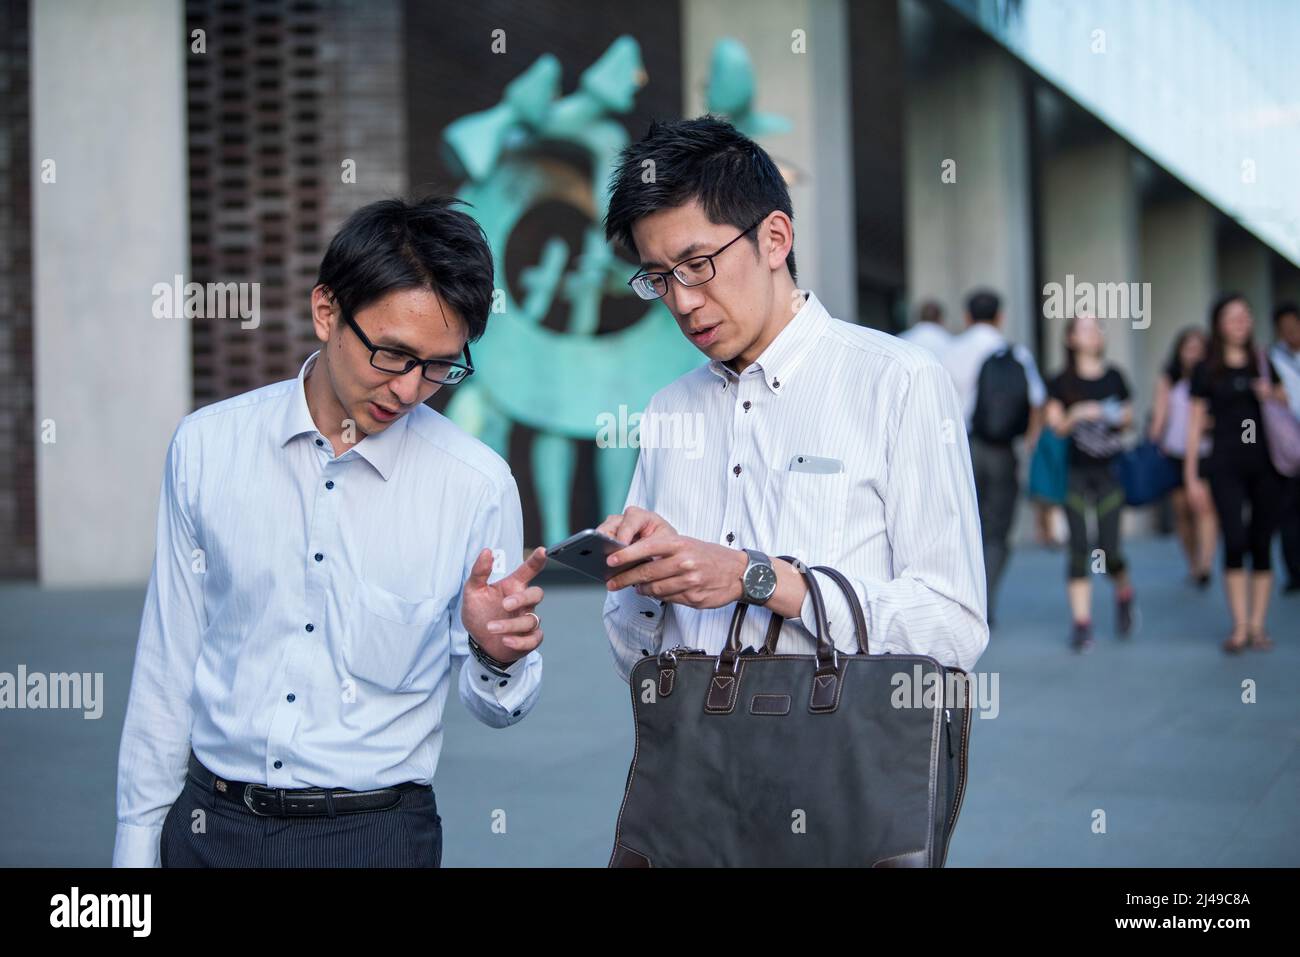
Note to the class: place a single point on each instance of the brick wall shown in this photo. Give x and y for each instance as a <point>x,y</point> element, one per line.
<point>284,94</point>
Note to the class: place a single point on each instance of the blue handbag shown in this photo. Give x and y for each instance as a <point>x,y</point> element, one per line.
<point>1147,474</point>
<point>1048,468</point>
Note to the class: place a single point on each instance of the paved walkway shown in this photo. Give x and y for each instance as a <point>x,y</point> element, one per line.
<point>1152,732</point>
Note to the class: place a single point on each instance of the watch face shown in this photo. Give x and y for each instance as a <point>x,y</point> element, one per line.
<point>760,582</point>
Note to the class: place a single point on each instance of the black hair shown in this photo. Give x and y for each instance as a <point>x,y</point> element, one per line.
<point>930,311</point>
<point>1285,309</point>
<point>1215,359</point>
<point>705,159</point>
<point>1174,366</point>
<point>983,305</point>
<point>426,244</point>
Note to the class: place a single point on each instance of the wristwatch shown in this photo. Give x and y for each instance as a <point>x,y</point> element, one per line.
<point>758,583</point>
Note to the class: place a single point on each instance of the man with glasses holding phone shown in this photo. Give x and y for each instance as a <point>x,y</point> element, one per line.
<point>326,546</point>
<point>830,442</point>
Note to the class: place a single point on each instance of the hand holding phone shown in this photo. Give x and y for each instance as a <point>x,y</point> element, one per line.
<point>587,551</point>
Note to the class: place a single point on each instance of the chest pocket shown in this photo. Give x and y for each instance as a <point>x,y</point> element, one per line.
<point>806,512</point>
<point>389,640</point>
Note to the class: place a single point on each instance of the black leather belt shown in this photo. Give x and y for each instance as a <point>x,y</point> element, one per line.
<point>299,802</point>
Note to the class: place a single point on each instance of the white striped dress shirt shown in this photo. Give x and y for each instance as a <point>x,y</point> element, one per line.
<point>304,609</point>
<point>900,521</point>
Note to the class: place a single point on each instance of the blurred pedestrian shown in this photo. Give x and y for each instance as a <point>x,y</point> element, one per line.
<point>1286,359</point>
<point>929,330</point>
<point>1002,397</point>
<point>1228,386</point>
<point>1197,527</point>
<point>1090,402</point>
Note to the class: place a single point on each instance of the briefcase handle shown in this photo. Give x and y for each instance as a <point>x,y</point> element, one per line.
<point>855,609</point>
<point>855,606</point>
<point>826,653</point>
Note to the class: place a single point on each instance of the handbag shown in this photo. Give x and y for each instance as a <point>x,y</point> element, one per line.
<point>1281,430</point>
<point>753,759</point>
<point>1048,468</point>
<point>1147,474</point>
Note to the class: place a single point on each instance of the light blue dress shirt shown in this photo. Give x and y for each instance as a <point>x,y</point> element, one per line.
<point>304,609</point>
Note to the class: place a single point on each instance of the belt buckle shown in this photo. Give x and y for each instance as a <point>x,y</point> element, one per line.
<point>248,801</point>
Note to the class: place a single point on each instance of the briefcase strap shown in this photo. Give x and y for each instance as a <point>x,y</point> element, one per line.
<point>776,622</point>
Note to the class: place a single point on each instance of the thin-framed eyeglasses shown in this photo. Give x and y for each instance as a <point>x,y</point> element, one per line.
<point>694,271</point>
<point>398,362</point>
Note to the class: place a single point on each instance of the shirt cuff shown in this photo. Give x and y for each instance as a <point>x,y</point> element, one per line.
<point>507,692</point>
<point>642,611</point>
<point>136,846</point>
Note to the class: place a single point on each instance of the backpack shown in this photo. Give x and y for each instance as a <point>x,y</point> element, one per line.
<point>1001,399</point>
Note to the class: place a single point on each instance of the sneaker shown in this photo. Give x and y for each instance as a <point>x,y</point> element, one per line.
<point>1081,638</point>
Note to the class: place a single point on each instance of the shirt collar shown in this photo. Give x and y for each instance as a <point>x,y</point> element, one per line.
<point>379,449</point>
<point>784,353</point>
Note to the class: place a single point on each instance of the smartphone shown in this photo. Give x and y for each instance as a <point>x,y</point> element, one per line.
<point>586,552</point>
<point>813,463</point>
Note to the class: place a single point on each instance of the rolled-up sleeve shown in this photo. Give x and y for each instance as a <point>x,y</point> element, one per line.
<point>156,734</point>
<point>936,603</point>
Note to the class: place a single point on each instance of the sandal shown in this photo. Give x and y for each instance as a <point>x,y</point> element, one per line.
<point>1260,641</point>
<point>1236,647</point>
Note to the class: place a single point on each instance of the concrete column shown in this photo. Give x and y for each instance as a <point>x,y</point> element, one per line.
<point>968,189</point>
<point>809,88</point>
<point>1090,234</point>
<point>1179,260</point>
<point>1286,283</point>
<point>109,221</point>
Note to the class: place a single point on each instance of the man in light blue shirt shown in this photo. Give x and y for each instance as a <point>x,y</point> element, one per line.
<point>326,546</point>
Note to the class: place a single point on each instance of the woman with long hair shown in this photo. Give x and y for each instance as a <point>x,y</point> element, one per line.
<point>1229,385</point>
<point>1198,528</point>
<point>1089,402</point>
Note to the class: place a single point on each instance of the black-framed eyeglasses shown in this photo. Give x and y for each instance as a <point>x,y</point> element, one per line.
<point>689,272</point>
<point>397,362</point>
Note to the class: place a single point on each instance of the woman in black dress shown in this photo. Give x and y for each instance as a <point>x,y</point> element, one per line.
<point>1090,403</point>
<point>1228,386</point>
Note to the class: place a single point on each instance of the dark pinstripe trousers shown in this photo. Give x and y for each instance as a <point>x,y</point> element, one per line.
<point>204,829</point>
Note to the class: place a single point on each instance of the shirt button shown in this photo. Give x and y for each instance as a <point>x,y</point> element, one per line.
<point>736,470</point>
<point>310,626</point>
<point>503,682</point>
<point>278,765</point>
<point>731,537</point>
<point>776,383</point>
<point>320,441</point>
<point>516,714</point>
<point>329,484</point>
<point>747,405</point>
<point>319,557</point>
<point>289,698</point>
